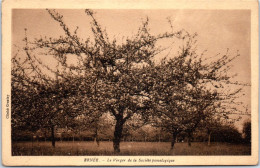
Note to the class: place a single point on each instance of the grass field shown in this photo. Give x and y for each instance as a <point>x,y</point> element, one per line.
<point>127,148</point>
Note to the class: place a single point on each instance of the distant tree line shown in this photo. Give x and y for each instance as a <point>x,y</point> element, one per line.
<point>102,89</point>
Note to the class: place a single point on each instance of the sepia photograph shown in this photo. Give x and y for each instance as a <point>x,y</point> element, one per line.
<point>131,86</point>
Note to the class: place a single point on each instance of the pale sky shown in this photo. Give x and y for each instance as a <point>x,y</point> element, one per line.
<point>217,29</point>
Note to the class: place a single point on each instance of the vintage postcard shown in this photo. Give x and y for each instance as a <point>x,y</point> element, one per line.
<point>129,83</point>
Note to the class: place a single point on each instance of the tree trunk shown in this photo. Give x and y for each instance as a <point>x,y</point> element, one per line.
<point>209,136</point>
<point>96,140</point>
<point>32,141</point>
<point>45,136</point>
<point>189,138</point>
<point>189,141</point>
<point>52,137</point>
<point>61,137</point>
<point>174,136</point>
<point>118,134</point>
